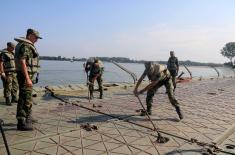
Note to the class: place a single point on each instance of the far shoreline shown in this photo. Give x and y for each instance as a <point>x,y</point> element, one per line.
<point>127,60</point>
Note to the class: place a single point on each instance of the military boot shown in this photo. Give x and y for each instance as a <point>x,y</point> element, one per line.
<point>144,113</point>
<point>14,99</point>
<point>24,125</point>
<point>179,112</point>
<point>8,102</point>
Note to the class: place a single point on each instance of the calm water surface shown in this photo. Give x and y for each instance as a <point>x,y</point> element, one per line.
<point>65,72</point>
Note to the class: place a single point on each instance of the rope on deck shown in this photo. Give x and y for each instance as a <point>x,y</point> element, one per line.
<point>211,148</point>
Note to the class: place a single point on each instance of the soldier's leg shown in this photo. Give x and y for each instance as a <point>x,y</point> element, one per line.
<point>4,85</point>
<point>8,87</point>
<point>14,88</point>
<point>100,84</point>
<point>91,87</point>
<point>28,101</point>
<point>174,81</point>
<point>171,96</point>
<point>24,105</point>
<point>173,75</point>
<point>150,95</point>
<point>27,108</point>
<point>149,101</point>
<point>20,113</point>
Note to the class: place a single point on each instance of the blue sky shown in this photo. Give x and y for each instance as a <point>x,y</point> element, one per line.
<point>139,29</point>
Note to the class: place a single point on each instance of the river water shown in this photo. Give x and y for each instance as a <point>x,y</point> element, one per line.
<point>65,72</point>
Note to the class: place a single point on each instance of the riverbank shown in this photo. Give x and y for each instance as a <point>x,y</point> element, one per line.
<point>208,106</point>
<point>126,60</point>
<point>81,88</point>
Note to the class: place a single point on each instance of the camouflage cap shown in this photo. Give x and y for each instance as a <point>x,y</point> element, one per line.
<point>10,44</point>
<point>32,31</point>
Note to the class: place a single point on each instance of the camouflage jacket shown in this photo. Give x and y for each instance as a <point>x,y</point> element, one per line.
<point>8,61</point>
<point>26,50</point>
<point>172,63</point>
<point>156,72</point>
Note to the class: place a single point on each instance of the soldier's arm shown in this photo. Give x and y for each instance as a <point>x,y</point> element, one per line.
<point>23,54</point>
<point>87,67</point>
<point>1,67</point>
<point>153,83</point>
<point>177,64</point>
<point>150,86</point>
<point>138,83</point>
<point>168,63</point>
<point>2,72</point>
<point>25,72</point>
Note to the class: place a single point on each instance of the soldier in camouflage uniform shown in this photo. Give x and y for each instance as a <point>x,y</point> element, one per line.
<point>159,76</point>
<point>173,67</point>
<point>96,71</point>
<point>27,67</point>
<point>8,73</point>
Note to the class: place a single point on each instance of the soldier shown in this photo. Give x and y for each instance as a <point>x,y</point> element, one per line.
<point>96,69</point>
<point>27,67</point>
<point>173,67</point>
<point>8,74</point>
<point>158,75</point>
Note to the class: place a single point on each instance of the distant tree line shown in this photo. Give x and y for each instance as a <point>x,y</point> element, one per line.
<point>228,51</point>
<point>60,58</point>
<point>125,60</point>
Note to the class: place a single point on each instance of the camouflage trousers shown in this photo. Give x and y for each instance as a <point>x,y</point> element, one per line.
<point>173,75</point>
<point>10,85</point>
<point>169,88</point>
<point>99,80</point>
<point>24,106</point>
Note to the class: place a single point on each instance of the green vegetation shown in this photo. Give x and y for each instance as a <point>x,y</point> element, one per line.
<point>59,58</point>
<point>228,51</point>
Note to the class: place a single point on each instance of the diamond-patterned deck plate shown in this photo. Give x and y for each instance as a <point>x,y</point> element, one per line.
<point>208,107</point>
